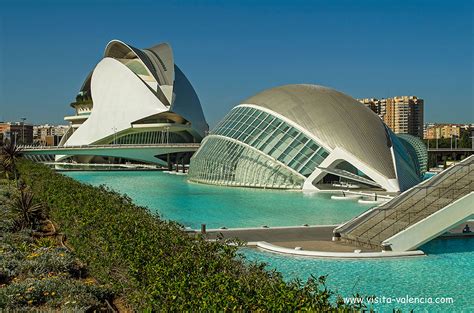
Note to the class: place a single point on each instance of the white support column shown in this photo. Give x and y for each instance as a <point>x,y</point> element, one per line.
<point>337,156</point>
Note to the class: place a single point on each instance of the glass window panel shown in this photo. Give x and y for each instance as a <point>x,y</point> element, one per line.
<point>271,136</point>
<point>266,136</point>
<point>252,123</point>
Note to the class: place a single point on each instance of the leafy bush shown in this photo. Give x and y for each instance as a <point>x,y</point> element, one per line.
<point>22,255</point>
<point>28,213</point>
<point>55,292</point>
<point>52,260</point>
<point>153,263</point>
<point>37,273</point>
<point>13,249</point>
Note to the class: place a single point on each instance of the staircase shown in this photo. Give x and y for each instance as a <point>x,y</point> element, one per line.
<point>375,226</point>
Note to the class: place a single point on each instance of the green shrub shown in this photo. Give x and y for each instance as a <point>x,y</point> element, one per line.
<point>37,273</point>
<point>55,292</point>
<point>28,213</point>
<point>13,249</point>
<point>45,242</point>
<point>153,263</point>
<point>21,254</point>
<point>52,260</point>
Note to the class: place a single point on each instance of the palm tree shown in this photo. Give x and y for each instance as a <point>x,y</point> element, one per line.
<point>28,213</point>
<point>5,167</point>
<point>9,155</point>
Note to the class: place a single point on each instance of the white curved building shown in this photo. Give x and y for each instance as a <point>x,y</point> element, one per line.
<point>135,97</point>
<point>304,137</point>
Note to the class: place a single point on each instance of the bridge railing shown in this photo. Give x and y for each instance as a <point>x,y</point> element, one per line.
<point>450,149</point>
<point>26,148</point>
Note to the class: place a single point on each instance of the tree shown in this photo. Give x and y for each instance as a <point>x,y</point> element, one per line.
<point>464,140</point>
<point>9,155</point>
<point>27,212</point>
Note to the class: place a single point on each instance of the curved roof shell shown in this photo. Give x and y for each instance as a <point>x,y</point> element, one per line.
<point>130,85</point>
<point>174,89</point>
<point>334,119</point>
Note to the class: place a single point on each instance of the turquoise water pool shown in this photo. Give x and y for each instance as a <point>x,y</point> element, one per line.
<point>447,271</point>
<point>428,175</point>
<point>193,204</point>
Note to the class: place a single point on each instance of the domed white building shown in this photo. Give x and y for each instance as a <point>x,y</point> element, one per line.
<point>304,137</point>
<point>135,97</point>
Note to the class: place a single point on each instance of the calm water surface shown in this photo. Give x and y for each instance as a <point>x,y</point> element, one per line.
<point>193,204</point>
<point>447,271</point>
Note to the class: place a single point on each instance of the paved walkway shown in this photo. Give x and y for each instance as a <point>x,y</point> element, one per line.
<point>316,238</point>
<point>297,233</point>
<point>312,238</point>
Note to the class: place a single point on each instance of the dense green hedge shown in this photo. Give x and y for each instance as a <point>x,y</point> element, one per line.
<point>152,263</point>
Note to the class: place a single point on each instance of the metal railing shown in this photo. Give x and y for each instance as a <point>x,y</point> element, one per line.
<point>450,149</point>
<point>427,198</point>
<point>28,148</point>
<point>428,207</point>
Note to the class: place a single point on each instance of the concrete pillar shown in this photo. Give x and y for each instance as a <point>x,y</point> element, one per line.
<point>177,162</point>
<point>168,160</point>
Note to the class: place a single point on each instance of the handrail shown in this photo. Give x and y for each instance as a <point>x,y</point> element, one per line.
<point>110,146</point>
<point>401,199</point>
<point>426,189</point>
<point>396,212</point>
<point>393,205</point>
<point>459,191</point>
<point>433,182</point>
<point>414,205</point>
<point>407,211</point>
<point>450,150</point>
<point>432,186</point>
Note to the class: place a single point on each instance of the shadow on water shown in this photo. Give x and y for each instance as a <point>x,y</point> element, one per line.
<point>443,245</point>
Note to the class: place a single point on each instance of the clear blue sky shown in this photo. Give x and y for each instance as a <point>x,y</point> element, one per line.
<point>231,50</point>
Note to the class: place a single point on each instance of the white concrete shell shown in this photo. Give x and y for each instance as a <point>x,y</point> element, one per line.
<point>133,91</point>
<point>335,133</point>
<point>116,104</point>
<point>334,119</point>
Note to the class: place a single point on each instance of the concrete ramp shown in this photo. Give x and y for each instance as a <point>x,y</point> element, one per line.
<point>417,215</point>
<point>432,226</point>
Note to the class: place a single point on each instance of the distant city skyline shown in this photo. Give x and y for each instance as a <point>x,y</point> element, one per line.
<point>232,50</point>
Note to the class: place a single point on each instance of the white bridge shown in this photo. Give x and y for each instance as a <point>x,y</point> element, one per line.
<point>144,153</point>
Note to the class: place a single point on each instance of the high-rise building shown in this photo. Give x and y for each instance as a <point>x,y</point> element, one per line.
<point>375,105</point>
<point>404,114</point>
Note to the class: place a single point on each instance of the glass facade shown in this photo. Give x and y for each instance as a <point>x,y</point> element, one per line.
<point>221,161</point>
<point>272,136</point>
<point>136,66</point>
<point>407,174</point>
<point>152,137</point>
<point>284,156</point>
<point>417,150</point>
